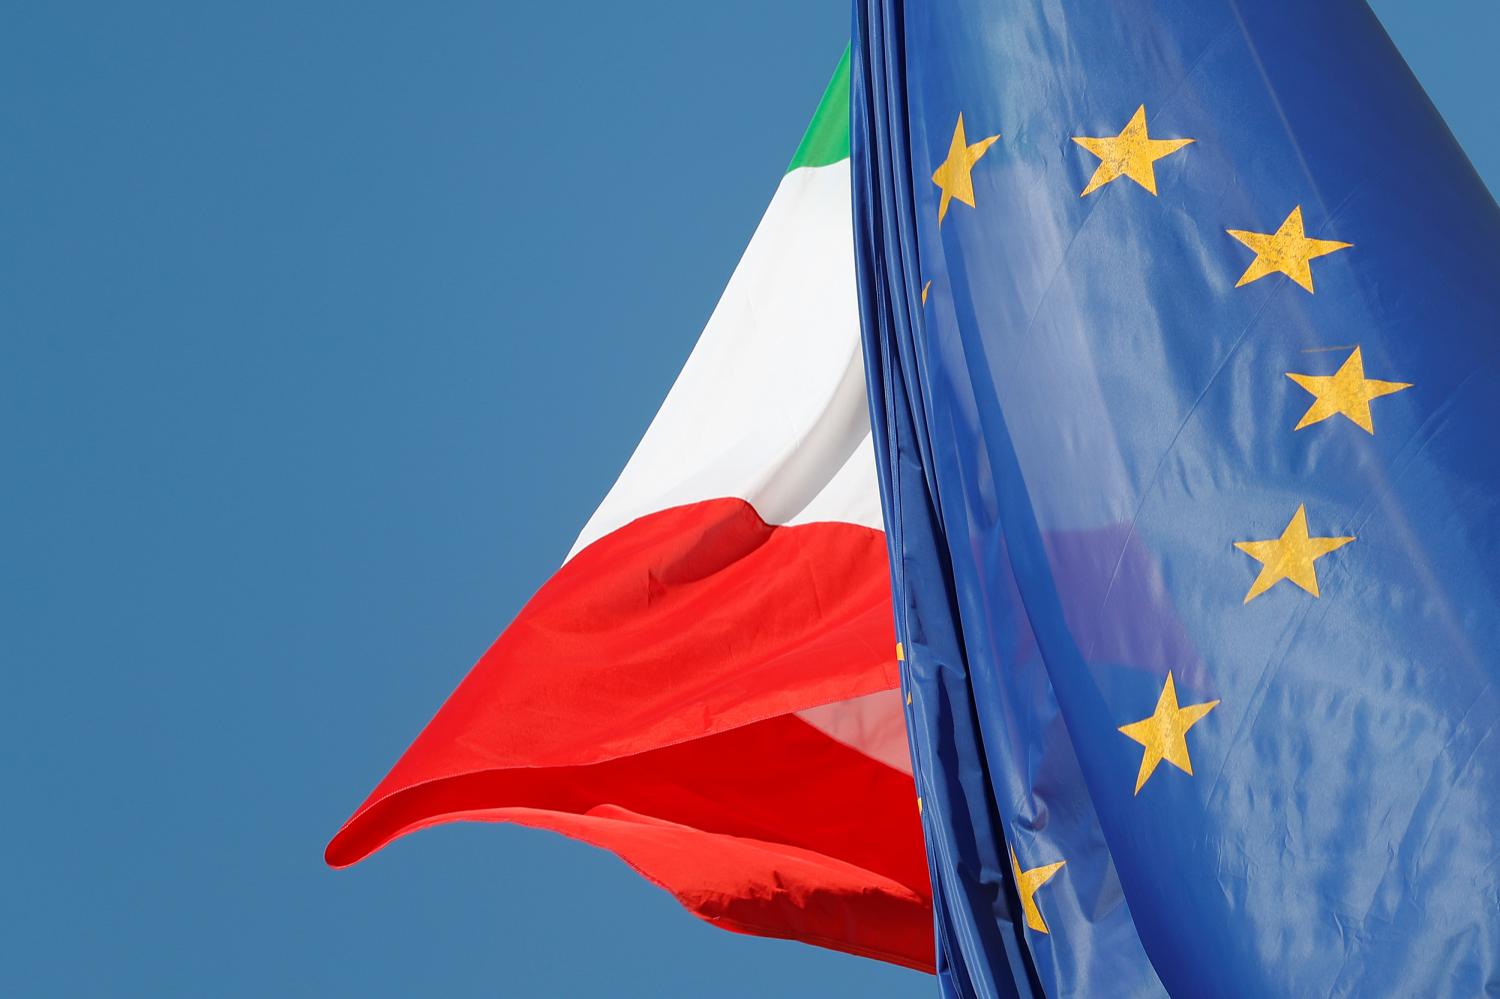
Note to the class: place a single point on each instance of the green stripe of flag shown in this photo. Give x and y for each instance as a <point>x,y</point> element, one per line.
<point>827,137</point>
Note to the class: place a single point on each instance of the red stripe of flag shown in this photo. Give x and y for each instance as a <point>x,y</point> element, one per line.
<point>643,701</point>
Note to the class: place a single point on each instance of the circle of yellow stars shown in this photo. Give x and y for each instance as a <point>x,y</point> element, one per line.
<point>1133,154</point>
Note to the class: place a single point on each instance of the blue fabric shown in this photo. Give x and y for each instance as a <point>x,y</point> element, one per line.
<point>1083,419</point>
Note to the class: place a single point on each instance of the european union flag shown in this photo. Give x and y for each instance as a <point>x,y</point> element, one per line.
<point>1181,322</point>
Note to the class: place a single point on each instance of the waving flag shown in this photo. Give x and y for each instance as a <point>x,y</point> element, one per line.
<point>1181,322</point>
<point>706,686</point>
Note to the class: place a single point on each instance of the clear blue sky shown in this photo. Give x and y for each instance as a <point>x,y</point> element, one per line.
<point>323,327</point>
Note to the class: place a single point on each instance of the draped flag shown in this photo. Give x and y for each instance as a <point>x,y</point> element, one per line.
<point>1181,323</point>
<point>706,686</point>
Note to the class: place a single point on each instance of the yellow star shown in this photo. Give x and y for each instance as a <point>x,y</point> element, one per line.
<point>1346,391</point>
<point>1290,556</point>
<point>954,176</point>
<point>1164,734</point>
<point>1129,154</point>
<point>1287,250</point>
<point>1027,882</point>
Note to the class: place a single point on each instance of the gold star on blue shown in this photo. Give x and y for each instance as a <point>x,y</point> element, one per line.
<point>955,176</point>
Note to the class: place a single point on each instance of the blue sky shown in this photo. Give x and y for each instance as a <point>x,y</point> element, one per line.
<point>322,330</point>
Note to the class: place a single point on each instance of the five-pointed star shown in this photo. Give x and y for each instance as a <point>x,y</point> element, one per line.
<point>954,175</point>
<point>1129,154</point>
<point>1164,734</point>
<point>1290,556</point>
<point>1346,391</point>
<point>1287,251</point>
<point>1027,882</point>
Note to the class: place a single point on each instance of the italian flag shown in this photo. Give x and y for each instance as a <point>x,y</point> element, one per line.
<point>708,685</point>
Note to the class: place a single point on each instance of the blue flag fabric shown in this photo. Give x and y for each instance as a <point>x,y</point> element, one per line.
<point>1181,323</point>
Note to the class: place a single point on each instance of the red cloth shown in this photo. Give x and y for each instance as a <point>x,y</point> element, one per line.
<point>644,701</point>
